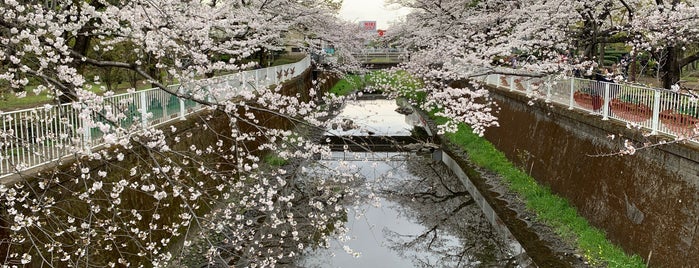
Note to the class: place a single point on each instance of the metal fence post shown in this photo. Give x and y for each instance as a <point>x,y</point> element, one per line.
<point>270,77</point>
<point>656,112</point>
<point>87,135</point>
<point>257,79</point>
<point>209,97</point>
<point>605,108</point>
<point>181,100</point>
<point>528,87</point>
<point>243,81</point>
<point>3,137</point>
<point>571,99</point>
<point>144,108</point>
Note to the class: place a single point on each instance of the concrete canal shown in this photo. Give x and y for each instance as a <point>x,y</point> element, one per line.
<point>410,210</point>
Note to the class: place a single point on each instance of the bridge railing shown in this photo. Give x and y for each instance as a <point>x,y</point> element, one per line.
<point>31,138</point>
<point>381,56</point>
<point>655,110</point>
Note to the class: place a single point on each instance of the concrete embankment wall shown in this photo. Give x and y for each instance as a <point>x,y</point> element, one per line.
<point>648,203</point>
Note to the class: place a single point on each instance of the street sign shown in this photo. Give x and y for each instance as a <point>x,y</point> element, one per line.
<point>369,25</point>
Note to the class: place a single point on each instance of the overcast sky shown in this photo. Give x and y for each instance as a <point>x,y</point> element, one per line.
<point>361,10</point>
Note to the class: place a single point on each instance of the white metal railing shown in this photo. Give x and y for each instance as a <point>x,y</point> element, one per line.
<point>33,137</point>
<point>381,55</point>
<point>652,109</point>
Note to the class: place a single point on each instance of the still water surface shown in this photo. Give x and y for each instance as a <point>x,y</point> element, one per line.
<point>411,211</point>
<point>375,116</point>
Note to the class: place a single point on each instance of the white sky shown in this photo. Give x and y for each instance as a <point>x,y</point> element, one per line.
<point>361,10</point>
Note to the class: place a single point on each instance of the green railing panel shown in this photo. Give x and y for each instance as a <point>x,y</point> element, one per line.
<point>156,109</point>
<point>131,113</point>
<point>173,105</point>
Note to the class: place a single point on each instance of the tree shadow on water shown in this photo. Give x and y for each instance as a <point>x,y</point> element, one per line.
<point>456,233</point>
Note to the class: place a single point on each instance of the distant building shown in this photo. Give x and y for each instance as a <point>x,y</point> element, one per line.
<point>293,41</point>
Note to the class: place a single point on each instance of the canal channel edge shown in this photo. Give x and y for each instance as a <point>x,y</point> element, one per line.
<point>505,211</point>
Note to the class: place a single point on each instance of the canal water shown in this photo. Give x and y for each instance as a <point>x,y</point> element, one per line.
<point>373,117</point>
<point>409,210</point>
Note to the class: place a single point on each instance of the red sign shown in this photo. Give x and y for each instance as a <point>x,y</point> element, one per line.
<point>381,32</point>
<point>368,25</point>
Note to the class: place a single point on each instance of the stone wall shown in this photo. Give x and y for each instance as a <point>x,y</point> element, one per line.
<point>648,203</point>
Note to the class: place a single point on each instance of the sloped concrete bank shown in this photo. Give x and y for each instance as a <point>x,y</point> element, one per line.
<point>534,249</point>
<point>648,203</point>
<point>539,245</point>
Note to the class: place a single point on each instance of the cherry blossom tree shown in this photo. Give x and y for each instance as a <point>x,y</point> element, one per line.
<point>203,194</point>
<point>545,37</point>
<point>543,31</point>
<point>462,40</point>
<point>668,30</point>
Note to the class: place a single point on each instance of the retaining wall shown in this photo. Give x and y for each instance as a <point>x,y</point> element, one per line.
<point>648,203</point>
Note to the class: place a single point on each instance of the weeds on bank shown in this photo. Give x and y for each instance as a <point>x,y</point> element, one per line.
<point>347,85</point>
<point>548,207</point>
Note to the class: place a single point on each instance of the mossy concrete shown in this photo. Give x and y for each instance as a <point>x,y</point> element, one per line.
<point>648,203</point>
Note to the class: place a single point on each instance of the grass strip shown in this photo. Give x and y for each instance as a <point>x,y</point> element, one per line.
<point>347,85</point>
<point>549,208</point>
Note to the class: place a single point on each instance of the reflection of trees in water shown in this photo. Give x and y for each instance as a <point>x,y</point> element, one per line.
<point>313,212</point>
<point>456,235</point>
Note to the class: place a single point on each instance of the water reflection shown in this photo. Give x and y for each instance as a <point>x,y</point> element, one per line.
<point>411,212</point>
<point>370,117</point>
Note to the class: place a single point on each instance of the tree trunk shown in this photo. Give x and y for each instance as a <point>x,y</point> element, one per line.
<point>107,78</point>
<point>81,46</point>
<point>263,60</point>
<point>133,79</point>
<point>601,54</point>
<point>589,52</point>
<point>671,68</point>
<point>633,68</point>
<point>153,71</point>
<point>82,43</point>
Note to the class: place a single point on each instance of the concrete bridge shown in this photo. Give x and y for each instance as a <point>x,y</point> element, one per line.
<point>375,58</point>
<point>381,56</point>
